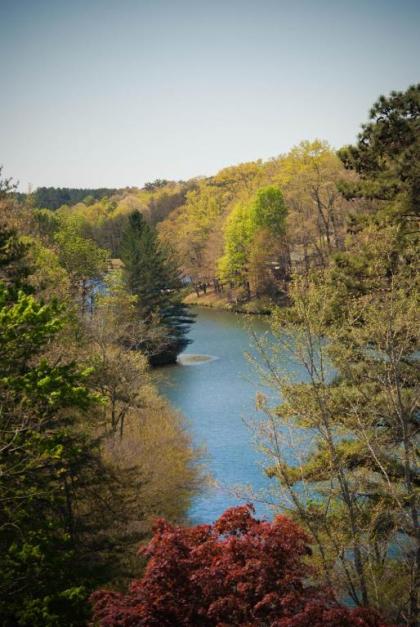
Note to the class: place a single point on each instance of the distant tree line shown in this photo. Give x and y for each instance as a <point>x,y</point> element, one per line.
<point>55,197</point>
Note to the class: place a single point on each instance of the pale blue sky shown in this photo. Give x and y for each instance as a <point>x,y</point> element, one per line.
<point>119,92</point>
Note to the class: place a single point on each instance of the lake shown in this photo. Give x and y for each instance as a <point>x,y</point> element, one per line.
<point>215,386</point>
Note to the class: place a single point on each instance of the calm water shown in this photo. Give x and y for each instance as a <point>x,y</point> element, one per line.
<point>216,395</point>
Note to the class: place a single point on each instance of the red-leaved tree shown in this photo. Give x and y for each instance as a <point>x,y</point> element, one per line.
<point>237,572</point>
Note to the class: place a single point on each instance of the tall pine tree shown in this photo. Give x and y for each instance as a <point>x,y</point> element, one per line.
<point>153,276</point>
<point>387,154</point>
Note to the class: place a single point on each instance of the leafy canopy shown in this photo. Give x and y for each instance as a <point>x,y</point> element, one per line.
<point>238,571</point>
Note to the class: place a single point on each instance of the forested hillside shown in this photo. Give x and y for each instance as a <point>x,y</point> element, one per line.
<point>216,234</point>
<point>103,219</point>
<point>241,232</point>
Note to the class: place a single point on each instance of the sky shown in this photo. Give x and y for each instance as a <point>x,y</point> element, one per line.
<point>114,93</point>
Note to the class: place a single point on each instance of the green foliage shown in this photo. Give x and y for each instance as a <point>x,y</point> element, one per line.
<point>41,459</point>
<point>46,222</point>
<point>50,472</point>
<point>154,278</point>
<point>354,326</point>
<point>82,259</point>
<point>308,176</point>
<point>238,239</point>
<point>13,266</point>
<point>156,184</point>
<point>266,213</point>
<point>195,229</point>
<point>358,320</point>
<point>316,218</point>
<point>359,456</point>
<point>387,154</point>
<point>47,278</point>
<point>80,423</point>
<point>55,197</point>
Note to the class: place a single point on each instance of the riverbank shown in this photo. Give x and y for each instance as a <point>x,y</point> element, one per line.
<point>220,301</point>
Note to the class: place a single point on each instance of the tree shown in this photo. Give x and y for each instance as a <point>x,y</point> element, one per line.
<point>189,228</point>
<point>47,278</point>
<point>238,239</point>
<point>154,485</point>
<point>353,482</point>
<point>84,261</point>
<point>53,485</point>
<point>121,375</point>
<point>153,276</point>
<point>387,154</point>
<point>263,218</point>
<point>268,211</point>
<point>195,229</point>
<point>308,176</point>
<point>55,197</point>
<point>352,478</point>
<point>156,184</point>
<point>7,186</point>
<point>239,181</point>
<point>13,266</point>
<point>238,571</point>
<point>269,264</point>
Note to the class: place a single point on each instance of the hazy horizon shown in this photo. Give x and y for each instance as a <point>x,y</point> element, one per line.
<point>107,94</point>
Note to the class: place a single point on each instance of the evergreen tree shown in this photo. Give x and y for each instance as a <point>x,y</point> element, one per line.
<point>153,276</point>
<point>387,154</point>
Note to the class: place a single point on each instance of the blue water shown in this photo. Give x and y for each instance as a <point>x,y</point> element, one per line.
<point>216,396</point>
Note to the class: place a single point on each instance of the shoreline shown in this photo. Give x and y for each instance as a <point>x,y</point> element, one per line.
<point>256,307</point>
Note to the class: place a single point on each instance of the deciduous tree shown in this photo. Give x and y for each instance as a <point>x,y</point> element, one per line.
<point>258,223</point>
<point>238,571</point>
